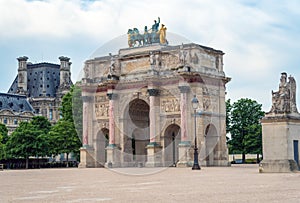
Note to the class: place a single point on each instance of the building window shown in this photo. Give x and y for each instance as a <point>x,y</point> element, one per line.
<point>15,121</point>
<point>51,114</point>
<point>5,120</point>
<point>37,111</point>
<point>44,112</point>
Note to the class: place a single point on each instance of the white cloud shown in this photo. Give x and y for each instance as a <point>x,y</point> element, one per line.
<point>260,39</point>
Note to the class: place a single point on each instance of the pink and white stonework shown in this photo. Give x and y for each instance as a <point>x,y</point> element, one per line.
<point>140,112</point>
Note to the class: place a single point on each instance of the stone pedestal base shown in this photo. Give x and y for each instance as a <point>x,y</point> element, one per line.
<point>154,155</point>
<point>278,166</point>
<point>185,160</point>
<point>113,157</point>
<point>86,159</point>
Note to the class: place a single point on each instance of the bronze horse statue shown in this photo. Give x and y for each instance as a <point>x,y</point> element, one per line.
<point>135,36</point>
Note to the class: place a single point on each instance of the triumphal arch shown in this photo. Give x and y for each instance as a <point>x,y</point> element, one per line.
<point>137,104</point>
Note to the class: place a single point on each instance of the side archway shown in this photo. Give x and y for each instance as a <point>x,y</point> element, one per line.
<point>211,142</point>
<point>171,139</point>
<point>101,144</point>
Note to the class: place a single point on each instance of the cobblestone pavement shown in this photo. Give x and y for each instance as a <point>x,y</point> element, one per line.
<point>239,183</point>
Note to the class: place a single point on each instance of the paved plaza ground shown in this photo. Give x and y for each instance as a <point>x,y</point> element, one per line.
<point>239,183</point>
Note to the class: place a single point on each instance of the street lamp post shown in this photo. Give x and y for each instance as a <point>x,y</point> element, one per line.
<point>196,165</point>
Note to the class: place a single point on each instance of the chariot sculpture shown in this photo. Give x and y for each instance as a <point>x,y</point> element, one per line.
<point>150,36</point>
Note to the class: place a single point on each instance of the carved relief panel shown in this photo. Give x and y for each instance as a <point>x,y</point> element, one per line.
<point>135,65</point>
<point>101,110</point>
<point>170,105</point>
<point>101,106</point>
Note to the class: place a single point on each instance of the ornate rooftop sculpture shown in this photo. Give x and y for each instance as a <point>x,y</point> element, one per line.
<point>150,36</point>
<point>284,100</point>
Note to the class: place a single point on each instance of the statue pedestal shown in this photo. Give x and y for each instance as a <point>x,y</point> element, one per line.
<point>185,159</point>
<point>86,160</point>
<point>281,138</point>
<point>113,156</point>
<point>154,155</point>
<point>278,166</point>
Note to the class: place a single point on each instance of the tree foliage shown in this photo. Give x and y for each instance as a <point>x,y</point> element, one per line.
<point>66,107</point>
<point>3,133</point>
<point>228,119</point>
<point>3,140</point>
<point>66,133</point>
<point>29,139</point>
<point>64,138</point>
<point>244,127</point>
<point>72,108</point>
<point>77,109</point>
<point>39,138</point>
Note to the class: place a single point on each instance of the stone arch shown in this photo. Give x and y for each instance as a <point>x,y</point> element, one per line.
<point>131,96</point>
<point>102,141</point>
<point>211,143</point>
<point>136,133</point>
<point>171,139</point>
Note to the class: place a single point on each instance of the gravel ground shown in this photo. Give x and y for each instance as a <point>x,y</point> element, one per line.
<point>239,183</point>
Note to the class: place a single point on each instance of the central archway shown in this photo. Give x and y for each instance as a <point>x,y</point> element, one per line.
<point>139,113</point>
<point>137,131</point>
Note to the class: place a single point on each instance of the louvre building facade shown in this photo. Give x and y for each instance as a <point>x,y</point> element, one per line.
<point>37,90</point>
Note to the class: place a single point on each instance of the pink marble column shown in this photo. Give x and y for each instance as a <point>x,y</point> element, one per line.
<point>85,120</point>
<point>183,111</point>
<point>152,94</point>
<point>111,119</point>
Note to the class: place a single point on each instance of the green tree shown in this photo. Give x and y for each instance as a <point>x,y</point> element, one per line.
<point>64,138</point>
<point>2,148</point>
<point>77,109</point>
<point>245,127</point>
<point>3,140</point>
<point>72,108</point>
<point>65,135</point>
<point>23,142</point>
<point>41,123</point>
<point>66,106</point>
<point>42,126</point>
<point>228,118</point>
<point>253,140</point>
<point>29,139</point>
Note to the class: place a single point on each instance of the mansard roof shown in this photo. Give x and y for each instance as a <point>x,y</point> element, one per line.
<point>13,102</point>
<point>43,79</point>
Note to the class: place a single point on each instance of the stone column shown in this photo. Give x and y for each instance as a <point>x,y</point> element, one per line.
<point>111,114</point>
<point>185,144</point>
<point>152,114</point>
<point>113,153</point>
<point>85,120</point>
<point>153,148</point>
<point>86,158</point>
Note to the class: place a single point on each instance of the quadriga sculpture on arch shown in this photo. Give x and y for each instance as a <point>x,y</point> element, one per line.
<point>150,36</point>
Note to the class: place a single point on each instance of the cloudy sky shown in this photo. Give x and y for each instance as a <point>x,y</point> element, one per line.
<point>260,38</point>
